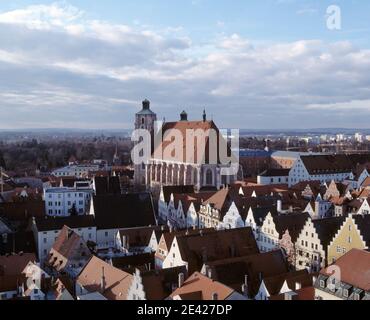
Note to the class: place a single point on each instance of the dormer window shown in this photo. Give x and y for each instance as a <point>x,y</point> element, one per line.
<point>345,293</point>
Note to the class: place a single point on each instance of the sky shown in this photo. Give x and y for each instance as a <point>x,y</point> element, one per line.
<point>267,64</point>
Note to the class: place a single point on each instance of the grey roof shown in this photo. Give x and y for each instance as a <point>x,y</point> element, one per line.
<point>145,112</point>
<point>121,211</point>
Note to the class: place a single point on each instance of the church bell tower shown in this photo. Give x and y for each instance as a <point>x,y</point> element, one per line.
<point>145,119</point>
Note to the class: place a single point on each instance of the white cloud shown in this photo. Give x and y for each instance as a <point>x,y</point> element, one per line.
<point>55,62</point>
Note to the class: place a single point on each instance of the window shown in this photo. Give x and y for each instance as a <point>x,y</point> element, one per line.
<point>209,177</point>
<point>45,240</point>
<point>349,240</point>
<point>322,284</point>
<point>345,293</point>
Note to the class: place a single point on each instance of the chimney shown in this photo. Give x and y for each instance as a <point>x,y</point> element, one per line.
<point>314,279</point>
<point>298,286</point>
<point>209,273</point>
<point>214,296</point>
<point>204,115</point>
<point>102,284</point>
<point>181,279</point>
<point>279,206</point>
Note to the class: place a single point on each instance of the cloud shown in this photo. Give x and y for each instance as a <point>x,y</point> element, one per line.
<point>60,68</point>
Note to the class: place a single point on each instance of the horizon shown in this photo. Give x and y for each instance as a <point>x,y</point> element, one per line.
<point>89,64</point>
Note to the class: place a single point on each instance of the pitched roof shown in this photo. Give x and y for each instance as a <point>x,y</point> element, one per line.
<point>21,241</point>
<point>22,211</point>
<point>158,284</point>
<point>355,269</point>
<point>275,173</point>
<point>70,247</point>
<point>363,224</point>
<point>327,228</point>
<point>129,263</point>
<point>123,211</point>
<point>201,287</point>
<point>139,237</point>
<point>293,222</point>
<point>260,213</point>
<point>107,185</point>
<point>73,222</point>
<point>169,190</point>
<point>199,248</point>
<point>220,201</point>
<point>116,284</point>
<point>329,164</point>
<point>15,264</point>
<point>269,264</point>
<point>182,127</point>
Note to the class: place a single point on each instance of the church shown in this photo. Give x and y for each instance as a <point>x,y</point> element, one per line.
<point>163,170</point>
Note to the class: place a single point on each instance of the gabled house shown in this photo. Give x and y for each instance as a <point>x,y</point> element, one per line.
<point>138,240</point>
<point>166,240</point>
<point>115,212</point>
<point>256,216</point>
<point>47,230</point>
<point>165,197</point>
<point>193,250</point>
<point>199,287</point>
<point>365,207</point>
<point>281,231</point>
<point>69,254</point>
<point>155,284</point>
<point>354,233</point>
<point>99,278</point>
<point>244,274</point>
<point>319,208</point>
<point>312,243</point>
<point>347,279</point>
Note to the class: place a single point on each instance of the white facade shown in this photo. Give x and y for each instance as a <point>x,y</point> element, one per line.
<point>76,170</point>
<point>233,219</point>
<point>310,254</point>
<point>174,258</point>
<point>60,201</point>
<point>365,208</point>
<point>262,180</point>
<point>46,239</point>
<point>269,238</point>
<point>299,173</point>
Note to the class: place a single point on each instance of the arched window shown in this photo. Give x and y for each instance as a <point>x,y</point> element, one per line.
<point>209,177</point>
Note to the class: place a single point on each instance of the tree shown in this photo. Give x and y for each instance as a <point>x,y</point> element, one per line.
<point>73,211</point>
<point>2,161</point>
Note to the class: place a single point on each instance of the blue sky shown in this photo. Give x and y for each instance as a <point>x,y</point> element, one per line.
<point>88,64</point>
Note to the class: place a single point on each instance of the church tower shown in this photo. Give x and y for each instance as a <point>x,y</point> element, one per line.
<point>145,119</point>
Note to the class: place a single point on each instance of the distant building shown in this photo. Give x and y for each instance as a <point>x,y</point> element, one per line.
<point>79,170</point>
<point>163,169</point>
<point>324,168</point>
<point>64,201</point>
<point>273,176</point>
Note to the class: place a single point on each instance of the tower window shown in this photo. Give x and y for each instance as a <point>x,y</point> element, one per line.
<point>142,121</point>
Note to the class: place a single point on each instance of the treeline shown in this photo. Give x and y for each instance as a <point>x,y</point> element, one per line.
<point>27,156</point>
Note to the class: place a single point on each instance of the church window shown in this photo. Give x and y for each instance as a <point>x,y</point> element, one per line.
<point>209,177</point>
